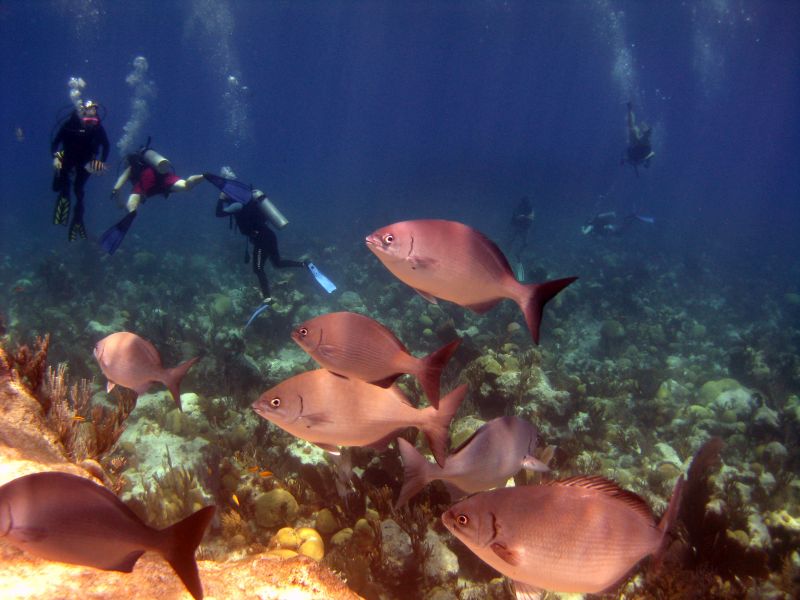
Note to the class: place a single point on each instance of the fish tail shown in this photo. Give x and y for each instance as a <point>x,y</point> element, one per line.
<point>535,297</point>
<point>437,424</point>
<point>417,472</point>
<point>181,542</point>
<point>667,522</point>
<point>174,376</point>
<point>431,373</point>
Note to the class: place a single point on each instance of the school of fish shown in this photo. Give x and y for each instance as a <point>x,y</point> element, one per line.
<point>582,534</point>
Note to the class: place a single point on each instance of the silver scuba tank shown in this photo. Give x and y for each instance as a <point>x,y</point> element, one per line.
<point>270,211</point>
<point>158,162</point>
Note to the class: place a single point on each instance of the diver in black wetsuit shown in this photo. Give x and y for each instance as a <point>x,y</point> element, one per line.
<point>252,222</point>
<point>83,143</point>
<point>640,148</point>
<point>608,224</point>
<point>521,221</point>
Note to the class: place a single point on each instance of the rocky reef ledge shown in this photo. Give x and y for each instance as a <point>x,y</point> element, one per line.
<point>28,446</point>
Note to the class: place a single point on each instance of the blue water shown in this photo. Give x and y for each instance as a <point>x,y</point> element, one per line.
<point>361,113</point>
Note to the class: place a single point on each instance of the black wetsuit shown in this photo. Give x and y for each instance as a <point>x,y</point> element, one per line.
<point>80,144</point>
<point>252,223</point>
<point>520,224</point>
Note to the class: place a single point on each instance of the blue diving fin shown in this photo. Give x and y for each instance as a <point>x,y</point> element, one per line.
<point>256,312</point>
<point>113,236</point>
<point>326,283</point>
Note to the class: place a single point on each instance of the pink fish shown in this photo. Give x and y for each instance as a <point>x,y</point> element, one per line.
<point>579,535</point>
<point>356,346</point>
<point>451,261</point>
<point>132,362</point>
<point>69,519</point>
<point>495,452</point>
<point>332,411</point>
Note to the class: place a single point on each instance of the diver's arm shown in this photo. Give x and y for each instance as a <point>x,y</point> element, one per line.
<point>122,179</point>
<point>102,142</point>
<point>57,140</point>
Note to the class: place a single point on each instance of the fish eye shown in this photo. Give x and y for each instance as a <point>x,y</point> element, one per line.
<point>275,403</point>
<point>462,520</point>
<point>387,238</point>
<point>303,331</point>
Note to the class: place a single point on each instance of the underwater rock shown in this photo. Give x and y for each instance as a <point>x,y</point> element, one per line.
<point>462,428</point>
<point>782,519</point>
<point>758,533</point>
<point>342,536</point>
<point>363,535</point>
<point>303,540</point>
<point>711,389</point>
<point>221,305</point>
<point>396,549</point>
<point>350,300</point>
<point>259,576</point>
<point>612,336</point>
<point>276,507</point>
<point>325,522</point>
<point>442,563</point>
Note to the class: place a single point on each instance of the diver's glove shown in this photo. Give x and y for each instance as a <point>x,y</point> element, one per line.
<point>233,207</point>
<point>58,158</point>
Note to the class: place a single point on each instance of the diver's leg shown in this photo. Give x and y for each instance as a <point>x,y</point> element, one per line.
<point>184,185</point>
<point>270,243</point>
<point>76,227</point>
<point>133,202</point>
<point>258,269</point>
<point>633,130</point>
<point>61,185</point>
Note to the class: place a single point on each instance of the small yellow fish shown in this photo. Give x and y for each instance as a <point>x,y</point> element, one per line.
<point>235,499</point>
<point>265,474</point>
<point>253,469</point>
<point>78,418</point>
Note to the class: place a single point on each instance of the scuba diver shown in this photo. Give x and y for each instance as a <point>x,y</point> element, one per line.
<point>84,150</point>
<point>606,224</point>
<point>521,221</point>
<point>253,219</point>
<point>640,149</point>
<point>150,174</point>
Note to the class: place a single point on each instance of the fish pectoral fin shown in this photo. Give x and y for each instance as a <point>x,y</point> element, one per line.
<point>482,307</point>
<point>125,565</point>
<point>531,463</point>
<point>427,296</point>
<point>28,535</point>
<point>335,450</point>
<point>507,555</point>
<point>418,262</point>
<point>110,385</point>
<point>523,591</point>
<point>386,382</point>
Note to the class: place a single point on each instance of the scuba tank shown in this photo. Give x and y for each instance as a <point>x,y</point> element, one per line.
<point>269,210</point>
<point>158,162</point>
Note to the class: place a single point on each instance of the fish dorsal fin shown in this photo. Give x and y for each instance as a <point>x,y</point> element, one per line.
<point>608,488</point>
<point>496,254</point>
<point>466,442</point>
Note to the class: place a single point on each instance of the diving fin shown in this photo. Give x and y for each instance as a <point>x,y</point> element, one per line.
<point>61,211</point>
<point>114,235</point>
<point>326,283</point>
<point>256,312</point>
<point>77,230</point>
